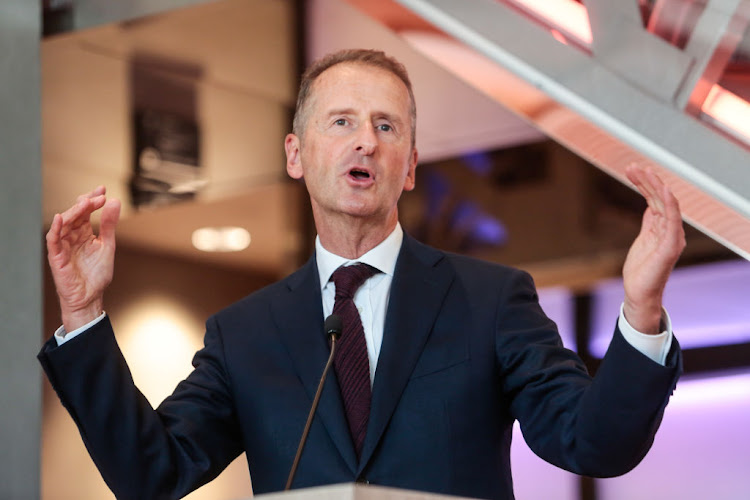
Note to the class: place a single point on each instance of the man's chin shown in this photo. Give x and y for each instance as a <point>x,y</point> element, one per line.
<point>363,212</point>
<point>357,209</point>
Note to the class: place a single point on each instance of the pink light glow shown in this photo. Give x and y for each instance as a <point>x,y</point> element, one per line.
<point>729,109</point>
<point>558,36</point>
<point>727,389</point>
<point>567,16</point>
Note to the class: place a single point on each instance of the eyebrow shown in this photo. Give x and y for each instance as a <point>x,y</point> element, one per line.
<point>340,111</point>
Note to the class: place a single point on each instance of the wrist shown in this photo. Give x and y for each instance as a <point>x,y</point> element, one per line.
<point>644,318</point>
<point>75,318</point>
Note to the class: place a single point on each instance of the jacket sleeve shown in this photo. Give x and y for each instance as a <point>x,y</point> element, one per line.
<point>144,453</point>
<point>599,427</point>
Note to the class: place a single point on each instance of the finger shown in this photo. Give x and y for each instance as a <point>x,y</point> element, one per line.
<point>97,191</point>
<point>74,217</point>
<point>53,236</point>
<point>80,213</point>
<point>637,175</point>
<point>633,172</point>
<point>673,217</point>
<point>76,224</point>
<point>82,206</point>
<point>671,204</point>
<point>648,184</point>
<point>110,216</point>
<point>657,188</point>
<point>645,184</point>
<point>97,201</point>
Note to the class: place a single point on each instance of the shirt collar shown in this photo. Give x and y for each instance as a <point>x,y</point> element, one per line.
<point>382,257</point>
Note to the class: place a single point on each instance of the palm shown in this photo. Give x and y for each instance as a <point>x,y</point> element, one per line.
<point>82,267</point>
<point>81,262</point>
<point>653,253</point>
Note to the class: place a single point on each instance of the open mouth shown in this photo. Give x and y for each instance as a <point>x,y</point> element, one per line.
<point>359,174</point>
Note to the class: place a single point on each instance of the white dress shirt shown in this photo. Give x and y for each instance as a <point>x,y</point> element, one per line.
<point>372,297</point>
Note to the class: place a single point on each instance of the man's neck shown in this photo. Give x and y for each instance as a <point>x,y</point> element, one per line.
<point>353,237</point>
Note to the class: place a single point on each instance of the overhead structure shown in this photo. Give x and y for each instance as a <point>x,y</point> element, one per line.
<point>663,83</point>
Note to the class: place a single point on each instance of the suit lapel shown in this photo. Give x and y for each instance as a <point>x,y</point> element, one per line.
<point>418,288</point>
<point>298,314</point>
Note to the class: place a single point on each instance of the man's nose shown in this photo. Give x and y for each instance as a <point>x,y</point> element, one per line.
<point>366,140</point>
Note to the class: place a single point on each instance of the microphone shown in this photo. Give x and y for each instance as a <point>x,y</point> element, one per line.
<point>333,327</point>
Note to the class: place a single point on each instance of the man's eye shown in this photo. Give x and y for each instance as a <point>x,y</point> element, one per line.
<point>340,121</point>
<point>385,127</point>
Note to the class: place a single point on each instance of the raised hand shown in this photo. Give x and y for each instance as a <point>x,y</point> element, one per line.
<point>82,263</point>
<point>653,253</point>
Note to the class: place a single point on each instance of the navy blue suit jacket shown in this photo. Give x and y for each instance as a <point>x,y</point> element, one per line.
<point>466,351</point>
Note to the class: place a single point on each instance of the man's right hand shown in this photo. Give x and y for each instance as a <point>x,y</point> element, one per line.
<point>82,263</point>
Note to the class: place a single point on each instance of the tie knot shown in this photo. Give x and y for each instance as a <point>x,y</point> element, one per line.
<point>349,278</point>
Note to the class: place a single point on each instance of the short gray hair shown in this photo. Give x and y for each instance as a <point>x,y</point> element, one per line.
<point>374,58</point>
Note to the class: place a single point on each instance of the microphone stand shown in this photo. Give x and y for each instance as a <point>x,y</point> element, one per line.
<point>333,327</point>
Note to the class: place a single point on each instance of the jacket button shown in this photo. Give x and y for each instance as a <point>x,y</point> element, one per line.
<point>362,480</point>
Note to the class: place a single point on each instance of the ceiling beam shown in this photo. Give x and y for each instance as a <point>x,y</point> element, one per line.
<point>605,117</point>
<point>622,44</point>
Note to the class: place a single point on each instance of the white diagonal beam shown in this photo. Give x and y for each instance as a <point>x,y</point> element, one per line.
<point>621,43</point>
<point>605,118</point>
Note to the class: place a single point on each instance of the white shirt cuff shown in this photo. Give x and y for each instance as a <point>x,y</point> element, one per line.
<point>656,347</point>
<point>61,336</point>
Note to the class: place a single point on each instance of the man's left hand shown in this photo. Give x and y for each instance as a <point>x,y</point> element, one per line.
<point>653,253</point>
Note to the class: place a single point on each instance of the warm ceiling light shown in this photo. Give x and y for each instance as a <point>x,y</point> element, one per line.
<point>566,16</point>
<point>221,239</point>
<point>729,111</point>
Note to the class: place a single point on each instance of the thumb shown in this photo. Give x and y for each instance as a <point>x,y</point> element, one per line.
<point>108,222</point>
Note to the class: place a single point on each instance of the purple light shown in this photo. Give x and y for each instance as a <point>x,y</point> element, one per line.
<point>535,478</point>
<point>438,189</point>
<point>464,215</point>
<point>489,230</point>
<point>480,163</point>
<point>709,305</point>
<point>727,389</point>
<point>702,449</point>
<point>557,303</point>
<point>532,476</point>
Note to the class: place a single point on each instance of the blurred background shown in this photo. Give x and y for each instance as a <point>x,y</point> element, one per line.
<point>528,113</point>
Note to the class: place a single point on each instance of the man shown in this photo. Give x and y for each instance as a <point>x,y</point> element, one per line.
<point>457,348</point>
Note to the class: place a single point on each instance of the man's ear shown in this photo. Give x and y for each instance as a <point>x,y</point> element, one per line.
<point>293,159</point>
<point>411,174</point>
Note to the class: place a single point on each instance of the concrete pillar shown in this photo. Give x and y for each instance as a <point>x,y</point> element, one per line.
<point>20,249</point>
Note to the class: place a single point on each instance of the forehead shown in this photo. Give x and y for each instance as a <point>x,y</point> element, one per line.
<point>359,86</point>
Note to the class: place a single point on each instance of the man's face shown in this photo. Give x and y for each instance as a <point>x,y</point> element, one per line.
<point>355,152</point>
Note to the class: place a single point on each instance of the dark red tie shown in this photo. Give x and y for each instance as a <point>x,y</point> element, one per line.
<point>351,361</point>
